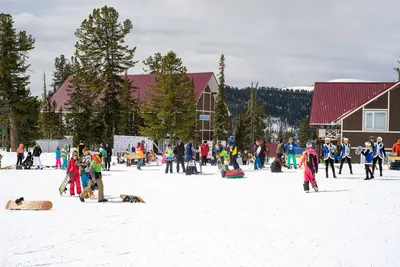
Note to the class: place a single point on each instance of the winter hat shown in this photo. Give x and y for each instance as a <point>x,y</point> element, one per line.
<point>345,139</point>
<point>308,145</point>
<point>327,139</point>
<point>379,139</point>
<point>367,144</point>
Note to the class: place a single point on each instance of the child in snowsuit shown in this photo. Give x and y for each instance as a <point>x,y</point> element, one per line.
<point>64,153</point>
<point>310,162</point>
<point>73,173</point>
<point>169,157</point>
<point>379,155</point>
<point>84,169</point>
<point>58,157</point>
<point>225,169</point>
<point>368,155</point>
<point>95,176</point>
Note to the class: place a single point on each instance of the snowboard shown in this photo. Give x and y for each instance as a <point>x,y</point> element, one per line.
<point>131,198</point>
<point>63,187</point>
<point>21,204</point>
<point>8,167</point>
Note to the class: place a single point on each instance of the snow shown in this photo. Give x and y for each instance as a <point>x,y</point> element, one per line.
<point>263,220</point>
<point>311,88</point>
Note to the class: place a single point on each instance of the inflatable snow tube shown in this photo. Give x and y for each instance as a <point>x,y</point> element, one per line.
<point>234,174</point>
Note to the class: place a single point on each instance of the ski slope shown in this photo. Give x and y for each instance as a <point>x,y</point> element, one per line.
<point>263,220</point>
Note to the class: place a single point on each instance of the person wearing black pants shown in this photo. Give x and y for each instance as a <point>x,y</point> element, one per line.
<point>379,154</point>
<point>169,157</point>
<point>262,153</point>
<point>107,159</point>
<point>345,154</point>
<point>367,161</point>
<point>179,152</point>
<point>329,156</point>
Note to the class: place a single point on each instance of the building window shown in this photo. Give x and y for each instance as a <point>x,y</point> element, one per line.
<point>375,120</point>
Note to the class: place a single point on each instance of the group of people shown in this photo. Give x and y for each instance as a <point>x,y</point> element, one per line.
<point>84,170</point>
<point>180,154</point>
<point>32,158</point>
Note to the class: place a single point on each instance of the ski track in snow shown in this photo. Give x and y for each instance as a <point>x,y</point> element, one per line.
<point>263,220</point>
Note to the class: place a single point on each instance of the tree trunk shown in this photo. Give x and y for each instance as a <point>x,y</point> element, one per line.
<point>13,132</point>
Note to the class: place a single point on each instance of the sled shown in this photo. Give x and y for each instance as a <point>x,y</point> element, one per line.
<point>21,204</point>
<point>131,198</point>
<point>63,187</point>
<point>8,167</point>
<point>234,174</point>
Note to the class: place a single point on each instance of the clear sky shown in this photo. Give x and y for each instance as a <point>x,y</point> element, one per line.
<point>276,42</point>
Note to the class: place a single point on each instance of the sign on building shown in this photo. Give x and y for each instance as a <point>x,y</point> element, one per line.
<point>204,117</point>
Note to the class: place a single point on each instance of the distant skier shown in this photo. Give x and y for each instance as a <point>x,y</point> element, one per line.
<point>37,151</point>
<point>107,159</point>
<point>310,161</point>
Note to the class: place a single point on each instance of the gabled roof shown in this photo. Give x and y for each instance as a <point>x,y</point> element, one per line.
<point>333,100</point>
<point>141,81</point>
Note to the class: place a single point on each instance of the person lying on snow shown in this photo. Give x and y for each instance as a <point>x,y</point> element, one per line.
<point>28,162</point>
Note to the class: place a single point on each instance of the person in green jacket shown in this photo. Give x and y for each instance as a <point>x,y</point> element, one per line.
<point>95,176</point>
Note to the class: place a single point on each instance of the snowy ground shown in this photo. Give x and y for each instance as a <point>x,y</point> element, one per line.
<point>263,220</point>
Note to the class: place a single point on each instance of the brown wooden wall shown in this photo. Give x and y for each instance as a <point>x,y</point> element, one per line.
<point>354,121</point>
<point>394,111</point>
<point>379,103</point>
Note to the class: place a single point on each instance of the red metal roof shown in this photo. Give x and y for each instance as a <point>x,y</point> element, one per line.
<point>331,100</point>
<point>141,81</point>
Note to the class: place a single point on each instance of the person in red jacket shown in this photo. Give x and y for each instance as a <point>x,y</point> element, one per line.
<point>204,148</point>
<point>73,173</point>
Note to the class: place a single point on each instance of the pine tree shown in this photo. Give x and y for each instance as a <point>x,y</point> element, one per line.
<point>170,104</point>
<point>63,69</point>
<point>130,120</point>
<point>102,51</point>
<point>398,71</point>
<point>15,100</point>
<point>306,133</point>
<point>153,63</point>
<point>222,121</point>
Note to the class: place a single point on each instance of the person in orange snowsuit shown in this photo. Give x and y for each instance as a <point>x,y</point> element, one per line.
<point>20,154</point>
<point>396,148</point>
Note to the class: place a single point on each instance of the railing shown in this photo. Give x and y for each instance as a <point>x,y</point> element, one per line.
<point>331,133</point>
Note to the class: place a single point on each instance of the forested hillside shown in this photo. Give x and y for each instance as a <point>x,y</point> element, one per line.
<point>287,105</point>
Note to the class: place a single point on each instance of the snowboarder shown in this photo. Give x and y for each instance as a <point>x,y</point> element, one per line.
<point>169,157</point>
<point>73,173</point>
<point>329,156</point>
<point>95,176</point>
<point>37,151</point>
<point>290,149</point>
<point>58,157</point>
<point>310,161</point>
<point>345,154</point>
<point>368,157</point>
<point>379,154</point>
<point>179,152</point>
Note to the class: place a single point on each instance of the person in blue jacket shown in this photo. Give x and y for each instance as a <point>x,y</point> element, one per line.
<point>290,148</point>
<point>329,155</point>
<point>379,154</point>
<point>191,159</point>
<point>368,157</point>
